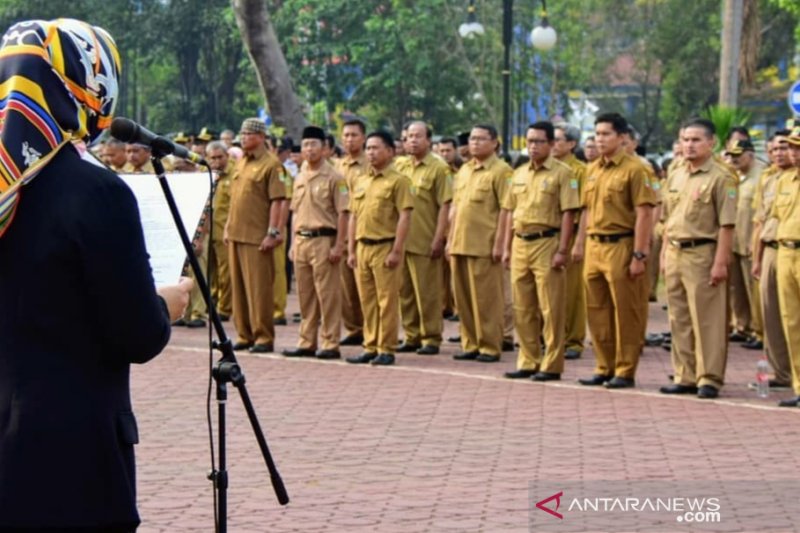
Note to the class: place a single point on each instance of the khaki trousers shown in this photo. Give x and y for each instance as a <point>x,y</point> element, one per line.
<point>539,306</point>
<point>319,290</point>
<point>697,317</point>
<point>789,295</point>
<point>251,283</point>
<point>477,285</point>
<point>575,319</point>
<point>280,287</point>
<point>774,338</point>
<point>745,301</point>
<point>352,317</point>
<point>379,290</point>
<point>421,299</point>
<point>508,308</point>
<point>654,262</point>
<point>616,307</point>
<point>221,277</point>
<point>197,307</point>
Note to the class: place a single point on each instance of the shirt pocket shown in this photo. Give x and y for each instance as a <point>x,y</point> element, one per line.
<point>616,188</point>
<point>589,192</point>
<point>481,192</point>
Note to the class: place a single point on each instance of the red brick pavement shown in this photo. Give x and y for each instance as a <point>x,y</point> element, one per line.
<point>433,444</point>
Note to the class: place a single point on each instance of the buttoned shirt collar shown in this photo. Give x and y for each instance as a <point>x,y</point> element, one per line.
<point>485,164</point>
<point>615,159</point>
<point>547,164</point>
<point>258,152</point>
<point>705,167</point>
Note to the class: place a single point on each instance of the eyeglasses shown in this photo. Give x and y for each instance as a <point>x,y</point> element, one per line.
<point>479,139</point>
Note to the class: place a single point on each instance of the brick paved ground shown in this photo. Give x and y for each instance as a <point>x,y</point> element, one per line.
<point>433,444</point>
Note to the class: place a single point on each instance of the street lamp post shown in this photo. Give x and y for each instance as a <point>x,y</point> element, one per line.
<point>543,37</point>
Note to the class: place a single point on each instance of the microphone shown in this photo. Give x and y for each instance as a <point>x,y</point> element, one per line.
<point>129,131</point>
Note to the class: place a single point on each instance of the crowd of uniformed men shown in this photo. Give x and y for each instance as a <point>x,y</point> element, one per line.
<point>383,231</point>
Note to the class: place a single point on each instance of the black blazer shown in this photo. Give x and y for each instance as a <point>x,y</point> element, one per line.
<point>77,306</point>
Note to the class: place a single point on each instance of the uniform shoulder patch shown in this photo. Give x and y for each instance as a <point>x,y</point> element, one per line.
<point>573,183</point>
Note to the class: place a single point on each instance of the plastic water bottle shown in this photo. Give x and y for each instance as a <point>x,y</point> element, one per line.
<point>762,378</point>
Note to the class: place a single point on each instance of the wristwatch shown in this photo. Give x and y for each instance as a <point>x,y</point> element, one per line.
<point>274,232</point>
<point>639,256</point>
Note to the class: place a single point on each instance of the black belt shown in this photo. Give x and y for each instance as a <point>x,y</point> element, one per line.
<point>538,235</point>
<point>794,245</point>
<point>771,244</point>
<point>322,232</point>
<point>610,238</point>
<point>691,243</point>
<point>373,242</point>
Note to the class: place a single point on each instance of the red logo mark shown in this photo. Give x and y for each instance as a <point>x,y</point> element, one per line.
<point>557,498</point>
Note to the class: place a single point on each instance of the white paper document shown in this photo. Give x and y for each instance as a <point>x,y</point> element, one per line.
<point>190,190</point>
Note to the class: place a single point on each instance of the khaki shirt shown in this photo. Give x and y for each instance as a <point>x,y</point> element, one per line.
<point>699,203</point>
<point>352,168</point>
<point>578,169</point>
<point>763,201</point>
<point>319,197</point>
<point>743,236</point>
<point>787,206</point>
<point>478,193</point>
<point>257,181</point>
<point>613,191</point>
<point>377,200</point>
<point>147,168</point>
<point>222,199</point>
<point>431,188</point>
<point>538,197</point>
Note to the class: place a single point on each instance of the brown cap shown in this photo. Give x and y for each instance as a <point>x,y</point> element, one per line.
<point>181,137</point>
<point>205,135</point>
<point>253,125</point>
<point>794,137</point>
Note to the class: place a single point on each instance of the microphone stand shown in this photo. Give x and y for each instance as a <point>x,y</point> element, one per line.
<point>226,370</point>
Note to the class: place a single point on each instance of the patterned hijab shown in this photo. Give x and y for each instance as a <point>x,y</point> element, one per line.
<point>58,82</point>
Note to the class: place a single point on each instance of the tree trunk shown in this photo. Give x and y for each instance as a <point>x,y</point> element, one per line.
<point>272,71</point>
<point>729,55</point>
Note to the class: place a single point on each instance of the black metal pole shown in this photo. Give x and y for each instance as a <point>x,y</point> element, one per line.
<point>508,18</point>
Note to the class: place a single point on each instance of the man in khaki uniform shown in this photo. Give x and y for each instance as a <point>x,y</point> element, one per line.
<point>114,155</point>
<point>352,165</point>
<point>258,192</point>
<point>138,156</point>
<point>222,165</point>
<point>421,289</point>
<point>380,216</point>
<point>319,224</point>
<point>618,203</point>
<point>700,213</point>
<point>765,252</point>
<point>540,207</point>
<point>744,300</point>
<point>280,286</point>
<point>475,247</point>
<point>787,210</point>
<point>566,142</point>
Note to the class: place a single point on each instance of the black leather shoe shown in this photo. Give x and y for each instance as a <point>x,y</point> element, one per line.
<point>328,354</point>
<point>242,346</point>
<point>791,402</point>
<point>261,348</point>
<point>667,345</point>
<point>487,358</point>
<point>571,353</point>
<point>653,339</point>
<point>507,346</point>
<point>520,374</point>
<point>179,323</point>
<point>707,392</point>
<point>678,389</point>
<point>738,336</point>
<point>618,382</point>
<point>298,352</point>
<point>452,318</point>
<point>595,381</point>
<point>352,340</point>
<point>753,344</point>
<point>773,384</point>
<point>384,359</point>
<point>546,376</point>
<point>428,349</point>
<point>279,321</point>
<point>196,323</point>
<point>362,359</point>
<point>407,348</point>
<point>454,338</point>
<point>466,356</point>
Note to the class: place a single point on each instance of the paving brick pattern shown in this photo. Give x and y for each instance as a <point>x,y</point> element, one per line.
<point>434,444</point>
